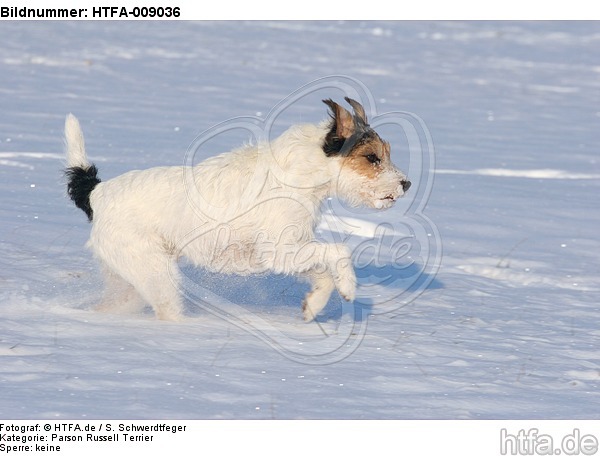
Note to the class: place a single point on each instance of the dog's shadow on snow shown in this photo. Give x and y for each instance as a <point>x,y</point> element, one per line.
<point>388,288</point>
<point>381,288</point>
<point>261,294</point>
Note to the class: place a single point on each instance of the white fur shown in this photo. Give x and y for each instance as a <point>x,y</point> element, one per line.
<point>75,144</point>
<point>247,211</point>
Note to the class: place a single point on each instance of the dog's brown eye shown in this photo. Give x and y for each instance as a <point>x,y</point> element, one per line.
<point>373,158</point>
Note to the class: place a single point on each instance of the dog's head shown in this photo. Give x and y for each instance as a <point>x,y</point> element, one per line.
<point>367,175</point>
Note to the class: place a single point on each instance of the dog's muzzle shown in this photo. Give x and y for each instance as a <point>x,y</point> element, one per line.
<point>405,184</point>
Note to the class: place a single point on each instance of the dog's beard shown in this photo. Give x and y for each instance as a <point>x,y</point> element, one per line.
<point>384,203</point>
<point>369,198</point>
<point>381,194</point>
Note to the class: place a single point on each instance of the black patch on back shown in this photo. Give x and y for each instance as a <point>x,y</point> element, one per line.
<point>81,182</point>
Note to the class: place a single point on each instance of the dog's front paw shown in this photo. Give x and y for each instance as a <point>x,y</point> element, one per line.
<point>307,311</point>
<point>313,303</point>
<point>345,283</point>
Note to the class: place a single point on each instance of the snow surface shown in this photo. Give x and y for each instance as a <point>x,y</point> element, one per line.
<point>508,328</point>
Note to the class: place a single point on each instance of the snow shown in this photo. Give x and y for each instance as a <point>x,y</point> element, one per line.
<point>478,298</point>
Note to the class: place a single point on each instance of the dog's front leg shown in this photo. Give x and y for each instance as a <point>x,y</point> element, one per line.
<point>339,261</point>
<point>327,266</point>
<point>322,285</point>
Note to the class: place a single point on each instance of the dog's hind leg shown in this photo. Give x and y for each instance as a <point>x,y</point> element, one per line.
<point>119,295</point>
<point>156,278</point>
<point>140,266</point>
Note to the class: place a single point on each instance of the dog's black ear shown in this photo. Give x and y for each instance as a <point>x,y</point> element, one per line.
<point>343,121</point>
<point>358,109</point>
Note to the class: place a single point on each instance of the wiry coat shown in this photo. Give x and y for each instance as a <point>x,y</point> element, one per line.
<point>247,211</point>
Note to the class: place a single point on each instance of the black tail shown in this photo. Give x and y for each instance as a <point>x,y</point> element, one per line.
<point>81,183</point>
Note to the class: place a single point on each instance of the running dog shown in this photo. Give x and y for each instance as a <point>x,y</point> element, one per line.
<point>251,210</point>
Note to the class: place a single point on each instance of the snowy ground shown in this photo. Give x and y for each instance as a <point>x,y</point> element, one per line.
<point>508,328</point>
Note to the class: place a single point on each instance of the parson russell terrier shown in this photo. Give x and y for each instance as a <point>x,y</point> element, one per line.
<point>251,210</point>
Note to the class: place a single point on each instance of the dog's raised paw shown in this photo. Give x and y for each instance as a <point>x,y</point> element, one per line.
<point>348,296</point>
<point>307,313</point>
<point>311,306</point>
<point>346,286</point>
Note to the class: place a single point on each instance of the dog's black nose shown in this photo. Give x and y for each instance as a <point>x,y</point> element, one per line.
<point>405,185</point>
